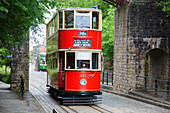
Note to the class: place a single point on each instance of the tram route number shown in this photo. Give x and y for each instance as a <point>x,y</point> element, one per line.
<point>82,33</point>
<point>82,43</point>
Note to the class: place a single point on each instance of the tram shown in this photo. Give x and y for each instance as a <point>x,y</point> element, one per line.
<point>43,65</point>
<point>74,55</point>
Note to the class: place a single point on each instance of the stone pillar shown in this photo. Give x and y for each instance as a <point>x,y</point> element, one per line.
<point>20,66</point>
<point>140,26</point>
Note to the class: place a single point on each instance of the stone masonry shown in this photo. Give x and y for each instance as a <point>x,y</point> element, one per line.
<point>20,66</point>
<point>141,39</point>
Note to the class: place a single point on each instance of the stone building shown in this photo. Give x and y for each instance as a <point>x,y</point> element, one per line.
<point>141,45</point>
<point>20,66</point>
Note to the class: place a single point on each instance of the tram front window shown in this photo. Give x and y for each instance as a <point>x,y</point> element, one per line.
<point>83,20</point>
<point>83,60</point>
<point>83,64</point>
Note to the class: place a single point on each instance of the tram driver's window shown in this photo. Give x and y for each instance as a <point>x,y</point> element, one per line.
<point>70,63</point>
<point>83,60</point>
<point>95,60</point>
<point>69,19</point>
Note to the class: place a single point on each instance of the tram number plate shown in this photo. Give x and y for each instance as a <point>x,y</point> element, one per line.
<point>82,43</point>
<point>82,33</point>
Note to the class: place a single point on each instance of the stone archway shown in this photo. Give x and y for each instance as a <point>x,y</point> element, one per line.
<point>156,66</point>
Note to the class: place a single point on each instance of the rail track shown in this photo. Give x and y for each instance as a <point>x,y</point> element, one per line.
<point>49,103</point>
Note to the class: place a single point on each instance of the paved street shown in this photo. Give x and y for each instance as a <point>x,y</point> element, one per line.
<point>111,103</point>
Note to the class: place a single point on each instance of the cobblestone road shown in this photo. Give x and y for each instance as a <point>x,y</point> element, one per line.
<point>111,103</point>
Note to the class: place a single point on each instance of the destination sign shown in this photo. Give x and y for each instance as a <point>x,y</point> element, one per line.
<point>82,33</point>
<point>82,43</point>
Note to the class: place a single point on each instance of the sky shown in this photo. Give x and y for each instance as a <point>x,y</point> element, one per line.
<point>41,33</point>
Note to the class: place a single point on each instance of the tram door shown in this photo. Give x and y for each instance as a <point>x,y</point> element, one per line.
<point>61,73</point>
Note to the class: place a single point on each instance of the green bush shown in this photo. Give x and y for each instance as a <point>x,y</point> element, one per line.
<point>5,77</point>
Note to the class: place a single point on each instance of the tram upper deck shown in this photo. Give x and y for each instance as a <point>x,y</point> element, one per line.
<point>75,28</point>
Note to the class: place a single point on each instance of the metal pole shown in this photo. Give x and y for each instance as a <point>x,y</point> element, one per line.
<point>103,78</point>
<point>155,86</point>
<point>22,86</point>
<point>167,89</point>
<point>145,83</point>
<point>107,78</point>
<point>55,111</point>
<point>112,78</point>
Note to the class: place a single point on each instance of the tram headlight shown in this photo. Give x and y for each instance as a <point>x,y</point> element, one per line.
<point>69,48</point>
<point>83,82</point>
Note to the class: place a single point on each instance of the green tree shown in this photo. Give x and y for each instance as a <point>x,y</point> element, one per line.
<point>108,33</point>
<point>165,4</point>
<point>17,16</point>
<point>4,59</point>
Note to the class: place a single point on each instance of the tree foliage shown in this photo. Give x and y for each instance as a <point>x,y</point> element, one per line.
<point>17,16</point>
<point>4,60</point>
<point>165,4</point>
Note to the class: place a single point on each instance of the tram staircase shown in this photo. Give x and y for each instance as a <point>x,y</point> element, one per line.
<point>76,100</point>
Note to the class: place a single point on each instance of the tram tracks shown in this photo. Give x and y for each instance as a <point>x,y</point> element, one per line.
<point>49,103</point>
<point>39,91</point>
<point>98,108</point>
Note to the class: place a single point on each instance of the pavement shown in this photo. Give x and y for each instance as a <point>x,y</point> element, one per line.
<point>139,96</point>
<point>10,102</point>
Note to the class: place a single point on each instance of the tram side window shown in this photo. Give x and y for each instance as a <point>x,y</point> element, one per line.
<point>55,23</point>
<point>95,20</point>
<point>95,59</point>
<point>48,30</point>
<point>83,60</point>
<point>61,19</point>
<point>69,19</point>
<point>56,63</point>
<point>70,60</point>
<point>53,63</point>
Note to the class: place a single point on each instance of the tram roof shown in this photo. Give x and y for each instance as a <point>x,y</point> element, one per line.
<point>67,9</point>
<point>80,9</point>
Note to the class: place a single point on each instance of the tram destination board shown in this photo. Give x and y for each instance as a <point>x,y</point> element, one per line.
<point>82,43</point>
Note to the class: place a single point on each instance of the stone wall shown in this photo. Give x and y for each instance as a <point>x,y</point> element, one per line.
<point>140,27</point>
<point>20,66</point>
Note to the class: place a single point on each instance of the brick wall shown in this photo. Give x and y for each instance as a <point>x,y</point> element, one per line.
<point>140,27</point>
<point>20,66</point>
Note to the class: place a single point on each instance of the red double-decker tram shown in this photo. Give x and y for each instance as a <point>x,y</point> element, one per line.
<point>74,55</point>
